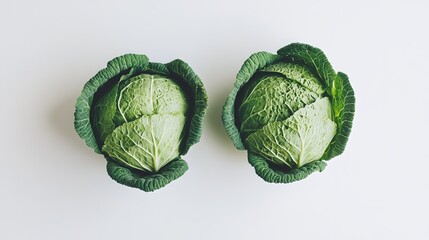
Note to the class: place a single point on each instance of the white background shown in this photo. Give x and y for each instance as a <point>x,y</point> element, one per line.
<point>54,187</point>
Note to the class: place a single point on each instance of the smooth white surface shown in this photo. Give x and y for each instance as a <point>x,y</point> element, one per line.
<point>54,187</point>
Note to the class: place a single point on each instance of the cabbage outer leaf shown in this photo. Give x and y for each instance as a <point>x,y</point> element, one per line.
<point>147,182</point>
<point>313,58</point>
<point>344,110</point>
<point>274,175</point>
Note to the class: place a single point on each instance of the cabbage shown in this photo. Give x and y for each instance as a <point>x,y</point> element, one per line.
<point>142,117</point>
<point>290,111</point>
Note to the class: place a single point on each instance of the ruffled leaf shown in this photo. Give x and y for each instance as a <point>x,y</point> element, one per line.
<point>274,175</point>
<point>147,182</point>
<point>343,104</point>
<point>311,57</point>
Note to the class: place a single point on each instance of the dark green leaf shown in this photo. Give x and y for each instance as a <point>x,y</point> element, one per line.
<point>344,110</point>
<point>273,174</point>
<point>102,114</point>
<point>147,182</point>
<point>311,57</point>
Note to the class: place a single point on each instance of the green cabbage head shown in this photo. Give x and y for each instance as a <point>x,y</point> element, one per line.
<point>142,117</point>
<point>291,111</point>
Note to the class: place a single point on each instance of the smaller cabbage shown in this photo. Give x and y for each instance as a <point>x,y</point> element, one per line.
<point>142,117</point>
<point>291,111</point>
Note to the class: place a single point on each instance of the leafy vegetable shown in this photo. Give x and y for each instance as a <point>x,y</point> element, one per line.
<point>291,111</point>
<point>142,117</point>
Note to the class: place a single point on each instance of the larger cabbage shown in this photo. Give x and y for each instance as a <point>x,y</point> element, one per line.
<point>291,111</point>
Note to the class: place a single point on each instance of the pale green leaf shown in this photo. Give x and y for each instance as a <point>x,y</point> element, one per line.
<point>194,88</point>
<point>147,143</point>
<point>150,94</point>
<point>298,140</point>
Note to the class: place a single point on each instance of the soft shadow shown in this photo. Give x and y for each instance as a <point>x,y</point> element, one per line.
<point>61,119</point>
<point>78,157</point>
